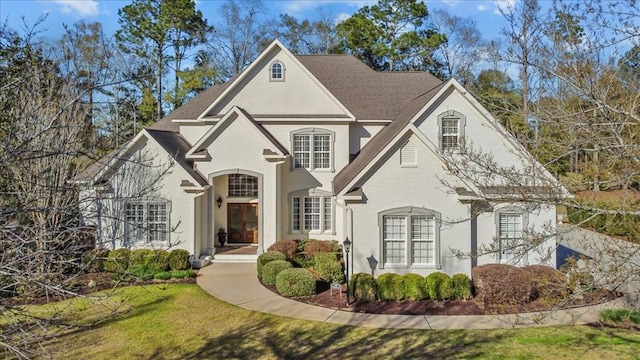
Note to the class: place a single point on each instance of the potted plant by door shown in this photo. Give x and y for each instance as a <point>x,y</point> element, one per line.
<point>222,236</point>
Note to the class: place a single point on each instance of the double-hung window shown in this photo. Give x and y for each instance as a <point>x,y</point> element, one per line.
<point>509,234</point>
<point>146,222</point>
<point>312,150</point>
<point>409,237</point>
<point>311,214</point>
<point>510,226</point>
<point>451,125</point>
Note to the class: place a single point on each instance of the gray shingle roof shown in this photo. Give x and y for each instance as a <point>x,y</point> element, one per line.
<point>381,140</point>
<point>177,147</point>
<point>368,94</point>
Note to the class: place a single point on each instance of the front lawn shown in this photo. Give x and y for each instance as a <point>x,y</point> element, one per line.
<point>172,321</point>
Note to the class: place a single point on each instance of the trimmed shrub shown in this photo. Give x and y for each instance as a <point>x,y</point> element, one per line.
<point>440,286</point>
<point>183,274</point>
<point>164,275</point>
<point>415,287</point>
<point>461,286</point>
<point>318,246</point>
<point>296,282</point>
<point>548,283</point>
<point>272,269</point>
<point>140,257</point>
<point>94,260</point>
<point>288,247</point>
<point>300,260</point>
<point>117,261</point>
<point>501,284</point>
<point>159,261</point>
<point>179,259</point>
<point>268,257</point>
<point>363,287</point>
<point>144,263</point>
<point>328,267</point>
<point>390,287</point>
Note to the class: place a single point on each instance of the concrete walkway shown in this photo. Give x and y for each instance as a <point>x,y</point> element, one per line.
<point>237,284</point>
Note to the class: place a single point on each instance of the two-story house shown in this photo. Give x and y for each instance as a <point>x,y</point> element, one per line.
<point>321,147</point>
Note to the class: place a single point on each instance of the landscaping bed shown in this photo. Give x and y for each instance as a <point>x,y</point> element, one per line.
<point>338,301</point>
<point>290,269</point>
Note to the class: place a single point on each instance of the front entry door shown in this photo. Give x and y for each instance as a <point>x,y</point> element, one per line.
<point>243,223</point>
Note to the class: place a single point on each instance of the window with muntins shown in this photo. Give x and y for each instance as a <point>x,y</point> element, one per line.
<point>146,222</point>
<point>509,234</point>
<point>277,71</point>
<point>312,150</point>
<point>451,125</point>
<point>409,237</point>
<point>242,185</point>
<point>449,133</point>
<point>311,214</point>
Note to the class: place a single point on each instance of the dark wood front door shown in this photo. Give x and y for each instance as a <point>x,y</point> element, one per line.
<point>242,220</point>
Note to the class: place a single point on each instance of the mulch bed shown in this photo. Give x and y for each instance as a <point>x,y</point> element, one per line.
<point>338,300</point>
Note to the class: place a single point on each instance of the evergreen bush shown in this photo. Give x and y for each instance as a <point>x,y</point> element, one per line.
<point>296,282</point>
<point>118,261</point>
<point>272,269</point>
<point>328,267</point>
<point>415,287</point>
<point>179,259</point>
<point>94,260</point>
<point>268,257</point>
<point>440,286</point>
<point>461,286</point>
<point>363,287</point>
<point>390,287</point>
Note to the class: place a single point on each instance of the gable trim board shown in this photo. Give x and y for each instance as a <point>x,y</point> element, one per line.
<point>276,44</point>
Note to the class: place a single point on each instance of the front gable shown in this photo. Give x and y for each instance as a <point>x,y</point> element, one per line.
<point>235,139</point>
<point>297,94</point>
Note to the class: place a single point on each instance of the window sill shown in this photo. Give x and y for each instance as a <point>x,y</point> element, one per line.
<point>409,165</point>
<point>405,266</point>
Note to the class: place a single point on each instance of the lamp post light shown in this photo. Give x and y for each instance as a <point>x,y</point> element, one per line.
<point>219,201</point>
<point>346,245</point>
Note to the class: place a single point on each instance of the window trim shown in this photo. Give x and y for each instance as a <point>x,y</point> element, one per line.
<point>408,212</point>
<point>301,228</point>
<point>511,210</point>
<point>146,203</point>
<point>462,122</point>
<point>282,71</point>
<point>312,132</point>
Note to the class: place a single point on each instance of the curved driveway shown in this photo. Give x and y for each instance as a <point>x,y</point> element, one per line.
<point>237,284</point>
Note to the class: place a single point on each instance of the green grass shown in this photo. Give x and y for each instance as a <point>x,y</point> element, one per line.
<point>621,315</point>
<point>179,321</point>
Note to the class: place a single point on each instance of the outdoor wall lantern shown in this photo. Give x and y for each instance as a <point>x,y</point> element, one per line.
<point>346,245</point>
<point>219,201</point>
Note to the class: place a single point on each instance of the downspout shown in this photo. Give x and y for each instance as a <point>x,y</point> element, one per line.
<point>349,229</point>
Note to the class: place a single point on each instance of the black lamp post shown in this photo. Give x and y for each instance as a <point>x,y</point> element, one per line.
<point>346,245</point>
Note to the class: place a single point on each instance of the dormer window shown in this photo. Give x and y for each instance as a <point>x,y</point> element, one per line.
<point>277,72</point>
